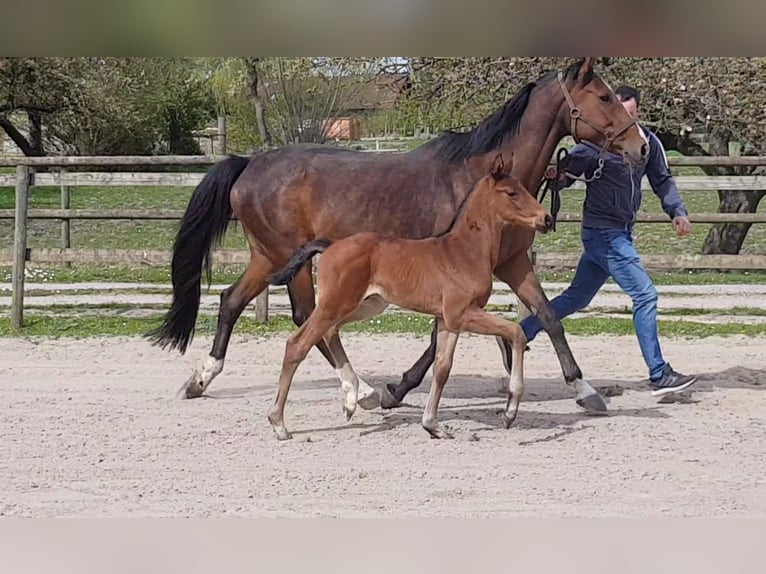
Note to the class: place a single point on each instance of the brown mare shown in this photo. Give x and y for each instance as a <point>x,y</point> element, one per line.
<point>287,197</point>
<point>448,276</point>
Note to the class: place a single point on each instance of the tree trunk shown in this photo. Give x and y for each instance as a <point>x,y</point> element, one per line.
<point>729,237</point>
<point>252,67</point>
<point>726,238</point>
<point>36,132</point>
<point>18,138</point>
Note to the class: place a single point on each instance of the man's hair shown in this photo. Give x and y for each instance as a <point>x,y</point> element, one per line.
<point>628,93</point>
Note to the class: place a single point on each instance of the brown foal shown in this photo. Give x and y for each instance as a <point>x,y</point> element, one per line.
<point>448,276</point>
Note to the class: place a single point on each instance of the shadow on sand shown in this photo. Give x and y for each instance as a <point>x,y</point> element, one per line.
<point>487,390</point>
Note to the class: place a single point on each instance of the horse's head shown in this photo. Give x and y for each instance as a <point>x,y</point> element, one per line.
<point>594,113</point>
<point>512,202</point>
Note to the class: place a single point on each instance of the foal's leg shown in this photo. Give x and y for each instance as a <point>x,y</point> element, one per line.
<point>298,346</point>
<point>392,395</point>
<point>234,299</point>
<point>520,276</point>
<point>479,321</point>
<point>349,381</point>
<point>446,341</point>
<point>301,291</point>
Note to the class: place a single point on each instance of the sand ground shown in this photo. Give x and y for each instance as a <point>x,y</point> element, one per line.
<point>94,428</point>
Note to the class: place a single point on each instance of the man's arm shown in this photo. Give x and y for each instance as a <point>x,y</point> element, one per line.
<point>581,159</point>
<point>661,180</point>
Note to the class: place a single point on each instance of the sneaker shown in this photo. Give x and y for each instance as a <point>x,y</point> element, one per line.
<point>670,382</point>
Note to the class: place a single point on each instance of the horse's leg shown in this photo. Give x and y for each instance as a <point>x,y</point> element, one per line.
<point>301,292</point>
<point>480,322</point>
<point>446,340</point>
<point>392,395</point>
<point>234,299</point>
<point>518,273</point>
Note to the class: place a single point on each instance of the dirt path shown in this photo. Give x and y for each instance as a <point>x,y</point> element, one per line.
<point>92,428</point>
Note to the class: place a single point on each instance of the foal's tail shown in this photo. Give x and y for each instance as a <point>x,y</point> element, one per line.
<point>300,257</point>
<point>204,223</point>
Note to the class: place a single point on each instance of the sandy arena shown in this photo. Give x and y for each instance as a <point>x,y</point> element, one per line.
<point>94,428</point>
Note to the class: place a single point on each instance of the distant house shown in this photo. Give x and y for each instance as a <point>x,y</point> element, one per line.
<point>359,97</point>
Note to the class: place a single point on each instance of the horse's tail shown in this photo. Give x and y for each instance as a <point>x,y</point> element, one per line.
<point>299,259</point>
<point>204,223</point>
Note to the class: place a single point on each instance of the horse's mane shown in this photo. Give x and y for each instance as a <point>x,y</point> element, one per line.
<point>493,130</point>
<point>488,135</point>
<point>461,208</point>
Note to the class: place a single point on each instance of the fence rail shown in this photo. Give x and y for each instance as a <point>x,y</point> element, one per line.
<point>70,174</point>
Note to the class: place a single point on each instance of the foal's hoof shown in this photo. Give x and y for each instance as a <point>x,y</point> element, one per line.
<point>387,398</point>
<point>439,432</point>
<point>508,420</point>
<point>281,432</point>
<point>193,387</point>
<point>348,412</point>
<point>594,403</point>
<point>371,401</point>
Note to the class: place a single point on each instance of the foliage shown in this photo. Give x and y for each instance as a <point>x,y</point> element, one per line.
<point>108,106</point>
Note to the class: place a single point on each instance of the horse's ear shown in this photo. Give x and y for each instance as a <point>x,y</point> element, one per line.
<point>509,166</point>
<point>497,167</point>
<point>586,68</point>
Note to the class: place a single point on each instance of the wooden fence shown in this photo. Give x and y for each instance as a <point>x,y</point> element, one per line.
<point>98,174</point>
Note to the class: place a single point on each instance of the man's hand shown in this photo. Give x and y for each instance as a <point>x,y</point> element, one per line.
<point>682,226</point>
<point>551,172</point>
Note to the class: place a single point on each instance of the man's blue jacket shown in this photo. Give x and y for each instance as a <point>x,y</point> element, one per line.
<point>613,200</point>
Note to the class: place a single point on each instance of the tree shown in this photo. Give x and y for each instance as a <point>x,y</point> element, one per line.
<point>276,101</point>
<point>104,105</point>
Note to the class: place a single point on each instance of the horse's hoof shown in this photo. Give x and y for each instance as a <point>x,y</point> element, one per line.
<point>387,398</point>
<point>371,401</point>
<point>193,388</point>
<point>593,404</point>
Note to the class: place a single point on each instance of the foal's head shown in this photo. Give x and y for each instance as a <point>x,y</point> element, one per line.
<point>512,202</point>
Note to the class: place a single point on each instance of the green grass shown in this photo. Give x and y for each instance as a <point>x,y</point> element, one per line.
<point>227,274</point>
<point>85,326</point>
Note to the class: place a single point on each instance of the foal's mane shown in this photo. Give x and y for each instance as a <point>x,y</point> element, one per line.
<point>496,128</point>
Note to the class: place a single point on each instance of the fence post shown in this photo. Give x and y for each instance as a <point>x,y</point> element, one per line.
<point>66,235</point>
<point>19,245</point>
<point>221,141</point>
<point>262,306</point>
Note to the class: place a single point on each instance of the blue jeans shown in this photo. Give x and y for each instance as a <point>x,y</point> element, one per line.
<point>610,252</point>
